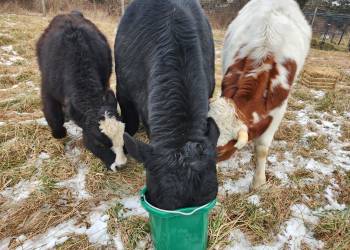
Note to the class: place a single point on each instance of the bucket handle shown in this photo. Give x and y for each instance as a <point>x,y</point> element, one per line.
<point>173,211</point>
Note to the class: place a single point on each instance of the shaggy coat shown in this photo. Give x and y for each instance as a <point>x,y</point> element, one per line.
<point>165,69</point>
<point>75,63</point>
<point>264,50</point>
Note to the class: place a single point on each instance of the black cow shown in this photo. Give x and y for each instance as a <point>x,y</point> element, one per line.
<point>76,63</point>
<point>165,70</point>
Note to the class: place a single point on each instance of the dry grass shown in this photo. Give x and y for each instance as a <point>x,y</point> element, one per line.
<point>302,93</point>
<point>19,144</point>
<point>7,81</point>
<point>28,75</point>
<point>335,100</point>
<point>345,131</point>
<point>28,103</point>
<point>5,40</point>
<point>76,242</point>
<point>343,180</point>
<point>290,116</point>
<point>105,184</point>
<point>298,175</point>
<point>39,212</point>
<point>58,169</point>
<point>259,223</point>
<point>317,142</point>
<point>294,104</point>
<point>334,230</point>
<point>290,132</point>
<point>133,229</point>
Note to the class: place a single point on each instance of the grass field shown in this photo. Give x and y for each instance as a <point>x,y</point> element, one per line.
<point>55,194</point>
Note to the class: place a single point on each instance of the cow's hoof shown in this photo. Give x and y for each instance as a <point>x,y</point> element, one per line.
<point>257,184</point>
<point>59,134</point>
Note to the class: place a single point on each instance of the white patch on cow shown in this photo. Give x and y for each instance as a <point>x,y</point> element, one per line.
<point>256,117</point>
<point>255,72</point>
<point>281,79</point>
<point>223,111</point>
<point>277,116</point>
<point>114,130</point>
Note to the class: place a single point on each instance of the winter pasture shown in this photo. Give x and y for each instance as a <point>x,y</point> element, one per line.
<point>54,194</point>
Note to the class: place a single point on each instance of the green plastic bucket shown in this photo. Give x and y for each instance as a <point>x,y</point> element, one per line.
<point>182,229</point>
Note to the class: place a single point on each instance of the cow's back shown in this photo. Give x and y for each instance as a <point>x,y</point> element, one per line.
<point>165,64</point>
<point>69,41</point>
<point>266,27</point>
<point>146,32</point>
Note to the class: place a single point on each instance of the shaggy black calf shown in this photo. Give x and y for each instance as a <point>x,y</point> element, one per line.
<point>165,67</point>
<point>75,63</point>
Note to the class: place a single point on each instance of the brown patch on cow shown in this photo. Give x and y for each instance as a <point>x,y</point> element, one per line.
<point>253,92</point>
<point>225,152</point>
<point>278,94</point>
<point>254,131</point>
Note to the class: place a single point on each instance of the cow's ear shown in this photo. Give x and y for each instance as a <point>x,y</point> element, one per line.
<point>110,99</point>
<point>213,131</point>
<point>138,150</point>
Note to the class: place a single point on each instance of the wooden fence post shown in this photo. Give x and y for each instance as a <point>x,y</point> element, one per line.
<point>123,6</point>
<point>342,35</point>
<point>43,5</point>
<point>313,18</point>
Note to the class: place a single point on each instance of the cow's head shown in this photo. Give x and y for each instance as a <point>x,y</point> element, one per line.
<point>182,177</point>
<point>110,125</point>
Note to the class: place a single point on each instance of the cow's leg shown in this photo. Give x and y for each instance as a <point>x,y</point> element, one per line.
<point>129,115</point>
<point>261,152</point>
<point>54,116</point>
<point>262,145</point>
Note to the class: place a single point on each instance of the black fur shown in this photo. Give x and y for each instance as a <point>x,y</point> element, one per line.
<point>75,63</point>
<point>165,69</point>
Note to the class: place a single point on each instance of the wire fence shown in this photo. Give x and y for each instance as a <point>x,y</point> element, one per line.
<point>331,29</point>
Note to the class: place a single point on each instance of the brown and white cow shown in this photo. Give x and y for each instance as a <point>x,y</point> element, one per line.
<point>264,50</point>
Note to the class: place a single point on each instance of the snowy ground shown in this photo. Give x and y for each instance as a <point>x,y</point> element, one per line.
<point>55,194</point>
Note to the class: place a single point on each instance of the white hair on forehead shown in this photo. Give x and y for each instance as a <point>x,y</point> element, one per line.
<point>114,130</point>
<point>224,112</point>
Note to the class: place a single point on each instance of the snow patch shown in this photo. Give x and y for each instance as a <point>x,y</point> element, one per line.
<point>330,194</point>
<point>238,159</point>
<point>294,234</point>
<point>77,184</point>
<point>4,244</point>
<point>313,165</point>
<point>237,186</point>
<point>118,243</point>
<point>97,232</point>
<point>238,241</point>
<point>20,191</point>
<point>254,199</point>
<point>132,207</point>
<point>44,156</point>
<point>318,94</point>
<point>73,130</point>
<point>40,121</point>
<point>301,211</point>
<point>53,236</point>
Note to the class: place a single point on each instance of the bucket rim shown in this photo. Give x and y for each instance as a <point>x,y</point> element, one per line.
<point>188,211</point>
